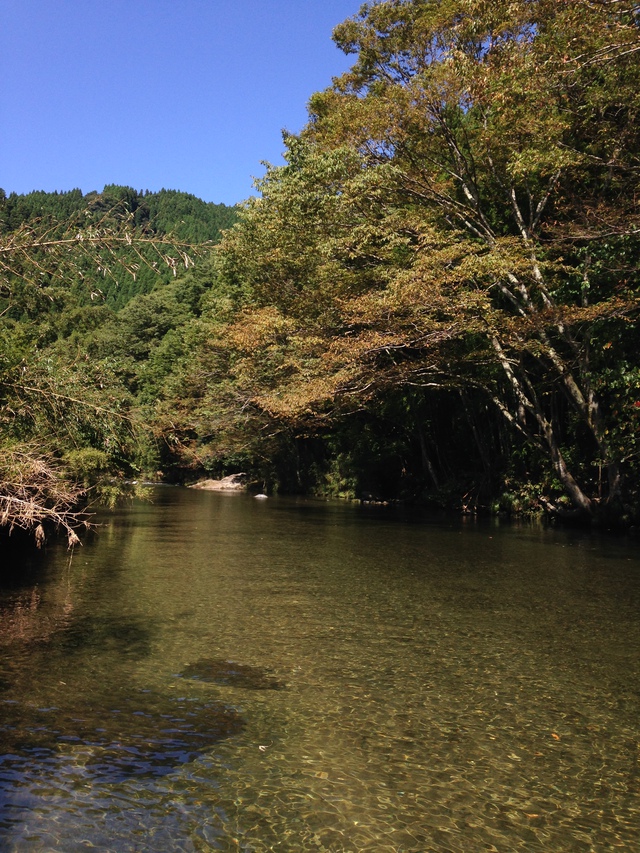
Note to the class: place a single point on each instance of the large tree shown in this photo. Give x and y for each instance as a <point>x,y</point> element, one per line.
<point>460,212</point>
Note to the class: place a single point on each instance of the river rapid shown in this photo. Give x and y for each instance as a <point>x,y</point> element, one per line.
<point>215,672</point>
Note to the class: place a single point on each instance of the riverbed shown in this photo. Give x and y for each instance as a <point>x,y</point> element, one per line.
<point>214,672</point>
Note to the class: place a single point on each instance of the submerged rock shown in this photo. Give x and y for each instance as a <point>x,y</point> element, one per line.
<point>228,673</point>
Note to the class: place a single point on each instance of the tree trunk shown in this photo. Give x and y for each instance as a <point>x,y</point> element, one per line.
<point>579,498</point>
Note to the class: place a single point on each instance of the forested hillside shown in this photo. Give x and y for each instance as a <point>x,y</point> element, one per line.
<point>88,291</point>
<point>435,299</point>
<point>188,219</point>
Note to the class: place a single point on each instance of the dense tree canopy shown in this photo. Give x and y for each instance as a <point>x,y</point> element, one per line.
<point>434,298</point>
<point>460,214</point>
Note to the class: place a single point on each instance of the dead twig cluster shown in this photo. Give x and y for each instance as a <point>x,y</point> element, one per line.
<point>34,496</point>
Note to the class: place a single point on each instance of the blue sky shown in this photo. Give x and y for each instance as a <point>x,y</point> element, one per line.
<point>181,94</point>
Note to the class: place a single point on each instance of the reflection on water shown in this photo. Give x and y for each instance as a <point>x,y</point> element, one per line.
<point>442,686</point>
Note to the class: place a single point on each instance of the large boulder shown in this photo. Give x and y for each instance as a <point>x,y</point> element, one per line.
<point>232,483</point>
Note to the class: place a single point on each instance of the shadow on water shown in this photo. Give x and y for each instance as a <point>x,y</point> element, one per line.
<point>22,564</point>
<point>450,684</point>
<point>228,673</point>
<point>137,733</point>
<point>69,706</point>
<point>118,634</point>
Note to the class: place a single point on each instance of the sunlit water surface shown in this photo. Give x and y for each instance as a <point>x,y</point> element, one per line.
<point>215,672</point>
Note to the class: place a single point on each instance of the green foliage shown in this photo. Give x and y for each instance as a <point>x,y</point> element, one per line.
<point>131,224</point>
<point>435,298</point>
<point>76,374</point>
<point>16,210</point>
<point>86,464</point>
<point>459,216</point>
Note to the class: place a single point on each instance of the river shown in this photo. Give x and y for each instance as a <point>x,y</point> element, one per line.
<point>215,672</point>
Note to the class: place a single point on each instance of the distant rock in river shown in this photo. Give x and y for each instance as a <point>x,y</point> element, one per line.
<point>232,483</point>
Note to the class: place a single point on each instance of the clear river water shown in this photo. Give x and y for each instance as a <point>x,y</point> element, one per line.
<point>215,672</point>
